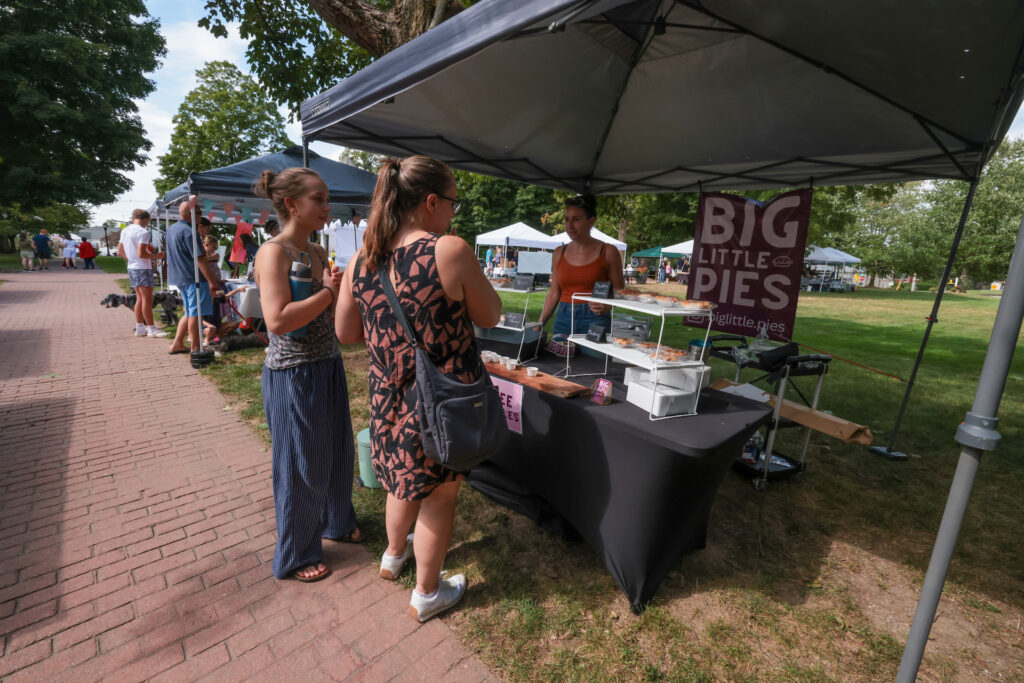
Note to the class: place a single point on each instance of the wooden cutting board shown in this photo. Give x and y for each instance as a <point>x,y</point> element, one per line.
<point>542,382</point>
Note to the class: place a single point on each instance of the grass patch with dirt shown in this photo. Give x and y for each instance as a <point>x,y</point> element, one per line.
<point>814,579</point>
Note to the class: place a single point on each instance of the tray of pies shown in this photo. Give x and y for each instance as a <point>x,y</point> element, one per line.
<point>622,342</point>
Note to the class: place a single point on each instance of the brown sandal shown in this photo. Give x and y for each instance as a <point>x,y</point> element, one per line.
<point>310,579</point>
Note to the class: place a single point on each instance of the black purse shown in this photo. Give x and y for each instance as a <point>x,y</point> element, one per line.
<point>461,425</point>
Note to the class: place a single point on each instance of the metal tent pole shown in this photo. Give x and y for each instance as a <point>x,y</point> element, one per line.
<point>888,451</point>
<point>195,264</point>
<point>305,153</point>
<point>976,434</point>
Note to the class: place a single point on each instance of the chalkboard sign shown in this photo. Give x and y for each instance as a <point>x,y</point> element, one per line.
<point>515,319</point>
<point>595,333</point>
<point>523,281</point>
<point>602,290</point>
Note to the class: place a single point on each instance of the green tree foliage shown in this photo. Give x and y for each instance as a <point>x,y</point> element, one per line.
<point>291,50</point>
<point>300,48</point>
<point>56,218</point>
<point>912,230</point>
<point>227,118</point>
<point>492,203</point>
<point>69,72</point>
<point>994,220</point>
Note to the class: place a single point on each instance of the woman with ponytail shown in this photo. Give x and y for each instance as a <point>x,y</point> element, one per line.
<point>304,391</point>
<point>442,292</point>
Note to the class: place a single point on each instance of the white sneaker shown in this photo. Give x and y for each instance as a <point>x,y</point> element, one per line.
<point>141,333</point>
<point>391,566</point>
<point>448,593</point>
<point>156,333</point>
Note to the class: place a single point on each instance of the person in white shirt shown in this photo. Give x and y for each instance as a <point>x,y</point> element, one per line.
<point>135,247</point>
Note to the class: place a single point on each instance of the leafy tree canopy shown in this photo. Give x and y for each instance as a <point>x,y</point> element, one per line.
<point>69,72</point>
<point>56,218</point>
<point>227,118</point>
<point>912,231</point>
<point>299,49</point>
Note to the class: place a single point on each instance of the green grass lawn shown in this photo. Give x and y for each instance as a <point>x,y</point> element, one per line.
<point>813,579</point>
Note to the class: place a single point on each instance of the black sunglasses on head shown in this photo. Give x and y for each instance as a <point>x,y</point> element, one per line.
<point>580,201</point>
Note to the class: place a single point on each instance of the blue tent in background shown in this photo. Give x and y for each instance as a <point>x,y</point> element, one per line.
<point>349,186</point>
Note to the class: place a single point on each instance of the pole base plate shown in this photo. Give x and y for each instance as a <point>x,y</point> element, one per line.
<point>887,452</point>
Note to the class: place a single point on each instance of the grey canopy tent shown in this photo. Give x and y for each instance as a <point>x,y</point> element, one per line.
<point>613,96</point>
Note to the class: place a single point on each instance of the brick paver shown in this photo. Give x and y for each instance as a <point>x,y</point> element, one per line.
<point>137,523</point>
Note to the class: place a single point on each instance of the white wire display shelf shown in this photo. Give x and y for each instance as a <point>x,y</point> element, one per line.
<point>646,358</point>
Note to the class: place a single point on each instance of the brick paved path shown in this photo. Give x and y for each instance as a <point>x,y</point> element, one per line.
<point>137,522</point>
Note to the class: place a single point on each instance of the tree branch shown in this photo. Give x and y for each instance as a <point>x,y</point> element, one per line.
<point>378,31</point>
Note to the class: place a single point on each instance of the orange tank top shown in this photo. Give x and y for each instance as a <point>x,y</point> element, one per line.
<point>576,279</point>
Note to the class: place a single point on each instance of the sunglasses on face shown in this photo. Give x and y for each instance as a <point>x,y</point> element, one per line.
<point>456,203</point>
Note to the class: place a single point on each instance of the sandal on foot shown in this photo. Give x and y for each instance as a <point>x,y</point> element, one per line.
<point>391,566</point>
<point>310,579</point>
<point>354,536</point>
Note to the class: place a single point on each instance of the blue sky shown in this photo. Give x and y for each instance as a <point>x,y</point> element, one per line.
<point>188,48</point>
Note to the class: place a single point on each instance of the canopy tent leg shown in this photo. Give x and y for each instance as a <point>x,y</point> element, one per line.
<point>305,153</point>
<point>888,451</point>
<point>976,434</point>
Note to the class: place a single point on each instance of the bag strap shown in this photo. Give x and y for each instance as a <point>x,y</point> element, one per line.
<point>396,308</point>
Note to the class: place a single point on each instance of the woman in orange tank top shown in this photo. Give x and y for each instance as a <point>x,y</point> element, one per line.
<point>575,268</point>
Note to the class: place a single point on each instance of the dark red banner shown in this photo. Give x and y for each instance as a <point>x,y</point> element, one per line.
<point>747,260</point>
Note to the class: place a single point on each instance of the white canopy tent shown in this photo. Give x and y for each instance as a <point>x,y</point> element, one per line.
<point>563,238</point>
<point>518,235</point>
<point>829,256</point>
<point>684,248</point>
<point>343,241</point>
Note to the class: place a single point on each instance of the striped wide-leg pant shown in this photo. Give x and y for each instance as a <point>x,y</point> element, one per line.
<point>313,458</point>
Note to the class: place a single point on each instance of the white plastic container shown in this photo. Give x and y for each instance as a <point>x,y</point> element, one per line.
<point>687,379</point>
<point>664,400</point>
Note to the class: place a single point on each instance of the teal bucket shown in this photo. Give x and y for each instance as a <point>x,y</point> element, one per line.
<point>366,473</point>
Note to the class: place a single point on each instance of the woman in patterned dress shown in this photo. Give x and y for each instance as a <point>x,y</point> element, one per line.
<point>304,391</point>
<point>442,291</point>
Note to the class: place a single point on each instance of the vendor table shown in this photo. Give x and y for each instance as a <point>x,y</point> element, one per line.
<point>639,492</point>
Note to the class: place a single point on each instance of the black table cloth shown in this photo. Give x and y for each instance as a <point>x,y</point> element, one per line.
<point>638,491</point>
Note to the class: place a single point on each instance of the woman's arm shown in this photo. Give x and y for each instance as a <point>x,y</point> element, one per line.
<point>463,280</point>
<point>555,293</point>
<point>348,321</point>
<point>281,314</point>
<point>614,261</point>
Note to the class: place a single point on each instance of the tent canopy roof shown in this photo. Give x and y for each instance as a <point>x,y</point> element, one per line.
<point>348,186</point>
<point>519,235</point>
<point>828,255</point>
<point>563,238</point>
<point>616,96</point>
<point>672,251</point>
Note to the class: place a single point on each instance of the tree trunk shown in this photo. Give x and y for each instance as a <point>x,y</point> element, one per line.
<point>962,287</point>
<point>623,226</point>
<point>380,31</point>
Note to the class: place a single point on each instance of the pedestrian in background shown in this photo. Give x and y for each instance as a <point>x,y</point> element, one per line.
<point>87,252</point>
<point>26,250</point>
<point>42,242</point>
<point>134,246</point>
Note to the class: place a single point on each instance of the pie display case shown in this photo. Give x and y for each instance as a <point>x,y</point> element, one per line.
<point>661,399</point>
